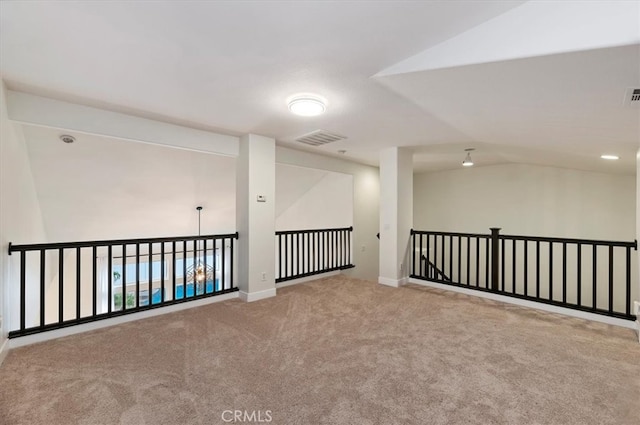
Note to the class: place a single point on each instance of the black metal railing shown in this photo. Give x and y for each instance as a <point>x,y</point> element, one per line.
<point>65,284</point>
<point>431,271</point>
<point>582,274</point>
<point>302,253</point>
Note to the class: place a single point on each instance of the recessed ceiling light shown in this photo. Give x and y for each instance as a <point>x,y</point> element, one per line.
<point>610,157</point>
<point>307,104</point>
<point>67,139</point>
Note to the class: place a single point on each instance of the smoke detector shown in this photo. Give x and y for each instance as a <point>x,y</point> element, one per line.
<point>67,139</point>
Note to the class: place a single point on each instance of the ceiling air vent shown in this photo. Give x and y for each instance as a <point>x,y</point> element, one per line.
<point>632,98</point>
<point>319,138</point>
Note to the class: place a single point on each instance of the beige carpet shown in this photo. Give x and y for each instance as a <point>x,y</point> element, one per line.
<point>333,351</point>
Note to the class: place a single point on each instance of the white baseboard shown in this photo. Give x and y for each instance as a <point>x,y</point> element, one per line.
<point>72,330</point>
<point>307,279</point>
<point>530,304</point>
<point>257,296</point>
<point>394,283</point>
<point>4,350</point>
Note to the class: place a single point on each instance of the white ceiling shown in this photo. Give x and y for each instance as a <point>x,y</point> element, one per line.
<point>528,81</point>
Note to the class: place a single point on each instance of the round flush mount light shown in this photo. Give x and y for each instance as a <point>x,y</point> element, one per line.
<point>610,157</point>
<point>67,139</point>
<point>307,104</point>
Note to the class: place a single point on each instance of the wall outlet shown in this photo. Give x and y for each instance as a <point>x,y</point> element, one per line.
<point>363,248</point>
<point>264,276</point>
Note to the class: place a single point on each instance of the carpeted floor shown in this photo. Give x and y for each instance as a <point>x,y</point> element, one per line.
<point>333,351</point>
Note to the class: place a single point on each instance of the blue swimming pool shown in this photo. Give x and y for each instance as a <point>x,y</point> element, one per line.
<point>157,295</point>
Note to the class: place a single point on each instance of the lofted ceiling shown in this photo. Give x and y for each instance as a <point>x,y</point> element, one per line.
<point>532,82</point>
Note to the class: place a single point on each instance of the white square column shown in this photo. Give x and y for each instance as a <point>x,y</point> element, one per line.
<point>636,303</point>
<point>396,214</point>
<point>255,217</point>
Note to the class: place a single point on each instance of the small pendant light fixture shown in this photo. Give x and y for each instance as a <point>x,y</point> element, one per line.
<point>200,275</point>
<point>468,162</point>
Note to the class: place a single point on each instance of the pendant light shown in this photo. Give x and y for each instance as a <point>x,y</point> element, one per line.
<point>468,162</point>
<point>200,274</point>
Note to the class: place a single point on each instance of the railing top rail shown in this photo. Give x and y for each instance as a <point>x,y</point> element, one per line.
<point>89,244</point>
<point>633,244</point>
<point>290,232</point>
<point>429,232</point>
<point>629,244</point>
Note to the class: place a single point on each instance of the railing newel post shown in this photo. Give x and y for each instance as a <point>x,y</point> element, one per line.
<point>495,257</point>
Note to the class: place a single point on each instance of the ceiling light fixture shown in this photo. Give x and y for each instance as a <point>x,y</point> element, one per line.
<point>610,157</point>
<point>307,105</point>
<point>468,162</point>
<point>198,271</point>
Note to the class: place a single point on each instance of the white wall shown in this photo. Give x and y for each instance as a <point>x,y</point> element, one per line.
<point>366,196</point>
<point>527,200</point>
<point>325,203</point>
<point>534,201</point>
<point>20,216</point>
<point>105,188</point>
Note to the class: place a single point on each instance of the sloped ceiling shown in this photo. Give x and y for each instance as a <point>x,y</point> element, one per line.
<point>538,81</point>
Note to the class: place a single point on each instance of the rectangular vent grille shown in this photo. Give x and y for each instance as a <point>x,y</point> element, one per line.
<point>632,98</point>
<point>319,138</point>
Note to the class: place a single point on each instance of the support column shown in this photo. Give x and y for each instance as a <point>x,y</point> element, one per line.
<point>636,304</point>
<point>396,215</point>
<point>255,217</point>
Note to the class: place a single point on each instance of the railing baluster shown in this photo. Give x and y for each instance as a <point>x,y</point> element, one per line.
<point>424,265</point>
<point>60,286</point>
<point>564,272</point>
<point>459,258</point>
<point>109,278</point>
<point>435,257</point>
<point>23,290</point>
<point>526,268</point>
<point>610,279</point>
<point>468,282</point>
<point>487,263</point>
<point>42,287</point>
<point>223,269</point>
<point>150,269</point>
<point>579,275</point>
<point>78,280</point>
<point>184,269</point>
<point>94,299</point>
<point>503,283</point>
<point>450,256</point>
<point>162,271</point>
<point>537,269</point>
<point>231,244</point>
<point>137,275</point>
<point>595,278</point>
<point>550,270</point>
<point>442,257</point>
<point>173,268</point>
<point>513,266</point>
<point>286,255</point>
<point>477,261</point>
<point>124,277</point>
<point>628,282</point>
